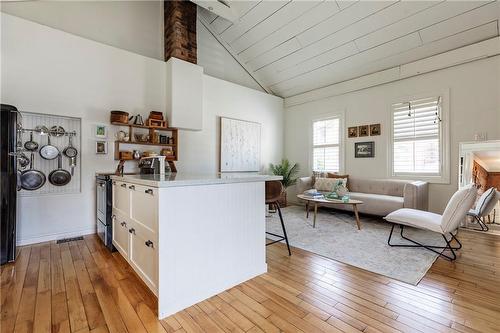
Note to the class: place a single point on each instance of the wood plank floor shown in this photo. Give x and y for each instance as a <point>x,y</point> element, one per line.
<point>81,287</point>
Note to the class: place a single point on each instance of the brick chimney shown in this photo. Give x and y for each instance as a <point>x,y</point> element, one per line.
<point>180,30</point>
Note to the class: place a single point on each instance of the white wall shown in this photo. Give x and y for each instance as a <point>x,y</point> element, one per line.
<point>474,107</point>
<point>135,26</point>
<point>49,71</point>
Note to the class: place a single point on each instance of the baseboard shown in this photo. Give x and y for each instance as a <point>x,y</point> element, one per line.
<point>51,237</point>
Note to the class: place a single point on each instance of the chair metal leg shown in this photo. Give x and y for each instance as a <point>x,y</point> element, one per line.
<point>428,247</point>
<point>482,224</point>
<point>280,237</point>
<point>283,227</point>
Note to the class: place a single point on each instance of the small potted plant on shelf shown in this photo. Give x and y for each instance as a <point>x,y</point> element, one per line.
<point>289,173</point>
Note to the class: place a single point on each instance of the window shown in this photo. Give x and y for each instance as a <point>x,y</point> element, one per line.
<point>417,145</point>
<point>326,145</point>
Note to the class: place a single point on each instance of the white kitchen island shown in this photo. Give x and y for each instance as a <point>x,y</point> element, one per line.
<point>190,237</point>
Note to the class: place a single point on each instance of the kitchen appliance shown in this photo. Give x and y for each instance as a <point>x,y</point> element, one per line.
<point>104,200</point>
<point>153,165</point>
<point>10,127</point>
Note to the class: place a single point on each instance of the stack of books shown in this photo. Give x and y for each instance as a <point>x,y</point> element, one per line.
<point>314,194</point>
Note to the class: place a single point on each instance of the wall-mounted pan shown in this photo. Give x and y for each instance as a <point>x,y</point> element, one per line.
<point>49,152</point>
<point>32,179</point>
<point>59,176</point>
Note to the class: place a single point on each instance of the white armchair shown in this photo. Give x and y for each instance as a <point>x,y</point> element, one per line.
<point>445,224</point>
<point>484,206</point>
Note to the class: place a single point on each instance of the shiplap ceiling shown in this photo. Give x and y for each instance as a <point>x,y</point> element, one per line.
<point>291,47</point>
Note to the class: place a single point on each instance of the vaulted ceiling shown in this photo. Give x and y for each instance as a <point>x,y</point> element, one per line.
<point>291,47</point>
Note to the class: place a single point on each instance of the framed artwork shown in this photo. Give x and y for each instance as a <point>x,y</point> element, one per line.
<point>375,129</point>
<point>101,131</point>
<point>101,147</point>
<point>363,130</point>
<point>352,132</point>
<point>239,145</point>
<point>364,149</point>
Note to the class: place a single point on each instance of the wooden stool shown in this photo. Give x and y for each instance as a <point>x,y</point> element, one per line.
<point>274,189</point>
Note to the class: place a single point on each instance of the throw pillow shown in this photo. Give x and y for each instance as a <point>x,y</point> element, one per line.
<point>326,184</point>
<point>334,175</point>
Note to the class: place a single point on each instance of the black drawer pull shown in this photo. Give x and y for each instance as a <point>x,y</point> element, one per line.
<point>114,183</point>
<point>149,191</point>
<point>131,230</point>
<point>132,187</point>
<point>123,224</point>
<point>123,185</point>
<point>149,243</point>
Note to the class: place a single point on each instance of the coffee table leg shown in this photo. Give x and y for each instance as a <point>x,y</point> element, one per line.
<point>315,213</point>
<point>355,207</point>
<point>307,209</point>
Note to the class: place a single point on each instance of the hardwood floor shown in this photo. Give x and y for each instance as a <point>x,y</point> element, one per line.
<point>81,287</point>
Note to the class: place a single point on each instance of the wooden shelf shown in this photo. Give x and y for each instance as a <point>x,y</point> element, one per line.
<point>166,129</point>
<point>147,143</point>
<point>152,129</point>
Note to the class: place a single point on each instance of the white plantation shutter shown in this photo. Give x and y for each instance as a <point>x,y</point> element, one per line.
<point>326,145</point>
<point>416,137</point>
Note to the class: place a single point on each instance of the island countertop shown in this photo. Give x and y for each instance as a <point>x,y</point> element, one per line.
<point>190,179</point>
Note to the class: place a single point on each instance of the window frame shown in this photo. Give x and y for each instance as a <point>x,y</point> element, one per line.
<point>444,149</point>
<point>337,115</point>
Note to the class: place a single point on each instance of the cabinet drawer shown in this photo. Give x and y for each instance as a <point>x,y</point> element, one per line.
<point>144,206</point>
<point>121,237</point>
<point>143,255</point>
<point>121,198</point>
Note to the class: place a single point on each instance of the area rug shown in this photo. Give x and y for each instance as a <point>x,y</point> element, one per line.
<point>337,237</point>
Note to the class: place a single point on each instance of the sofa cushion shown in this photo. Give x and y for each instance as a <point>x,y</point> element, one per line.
<point>416,218</point>
<point>326,184</point>
<point>392,187</point>
<point>334,175</point>
<point>377,204</point>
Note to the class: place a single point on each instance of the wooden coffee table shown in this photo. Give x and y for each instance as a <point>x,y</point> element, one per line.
<point>317,202</point>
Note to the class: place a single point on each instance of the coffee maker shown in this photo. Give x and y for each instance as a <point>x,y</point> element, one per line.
<point>153,165</point>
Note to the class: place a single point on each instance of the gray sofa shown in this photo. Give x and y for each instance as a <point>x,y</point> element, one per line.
<point>380,196</point>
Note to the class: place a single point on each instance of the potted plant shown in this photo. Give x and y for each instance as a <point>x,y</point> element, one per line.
<point>289,173</point>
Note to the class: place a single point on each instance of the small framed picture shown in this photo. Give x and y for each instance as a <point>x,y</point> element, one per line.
<point>352,132</point>
<point>375,129</point>
<point>363,130</point>
<point>101,131</point>
<point>364,149</point>
<point>101,147</point>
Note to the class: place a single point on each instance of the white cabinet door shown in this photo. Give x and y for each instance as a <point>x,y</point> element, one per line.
<point>143,256</point>
<point>121,198</point>
<point>121,235</point>
<point>144,207</point>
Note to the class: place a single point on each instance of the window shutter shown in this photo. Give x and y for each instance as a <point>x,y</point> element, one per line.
<point>416,136</point>
<point>326,149</point>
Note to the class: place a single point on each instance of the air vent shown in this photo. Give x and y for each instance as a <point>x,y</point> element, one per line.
<point>66,240</point>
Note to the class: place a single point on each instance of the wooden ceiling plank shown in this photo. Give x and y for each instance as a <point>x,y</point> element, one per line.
<point>307,20</point>
<point>270,76</point>
<point>479,16</point>
<point>343,72</point>
<point>257,14</point>
<point>465,37</point>
<point>345,18</point>
<point>323,76</point>
<point>283,16</point>
<point>436,14</point>
<point>220,24</point>
<point>287,47</point>
<point>383,18</point>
